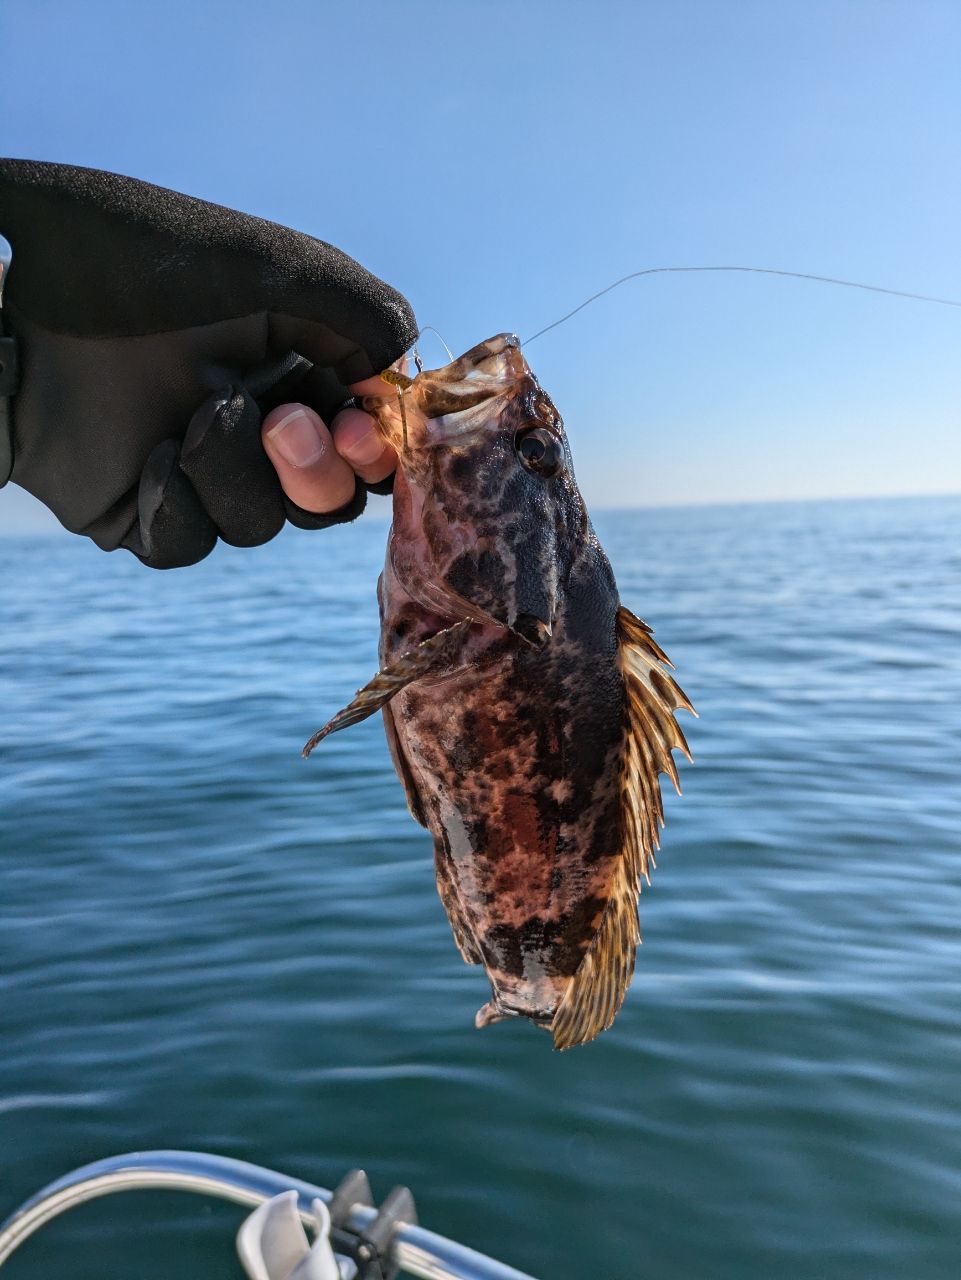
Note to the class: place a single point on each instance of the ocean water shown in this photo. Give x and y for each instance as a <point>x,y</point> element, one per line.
<point>207,942</point>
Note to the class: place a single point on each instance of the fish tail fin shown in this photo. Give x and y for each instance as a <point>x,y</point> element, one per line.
<point>597,990</point>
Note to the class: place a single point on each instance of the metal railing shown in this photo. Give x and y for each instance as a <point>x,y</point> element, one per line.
<point>416,1251</point>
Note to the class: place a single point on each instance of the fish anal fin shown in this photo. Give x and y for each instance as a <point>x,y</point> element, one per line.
<point>597,990</point>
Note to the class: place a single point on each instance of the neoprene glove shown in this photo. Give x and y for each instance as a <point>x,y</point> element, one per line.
<point>153,332</point>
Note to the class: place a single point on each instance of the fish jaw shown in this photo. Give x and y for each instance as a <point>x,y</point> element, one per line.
<point>462,388</point>
<point>442,406</point>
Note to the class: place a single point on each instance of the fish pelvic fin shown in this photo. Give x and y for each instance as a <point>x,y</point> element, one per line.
<point>431,655</point>
<point>597,990</point>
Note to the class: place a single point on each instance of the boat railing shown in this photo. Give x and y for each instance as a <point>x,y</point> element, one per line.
<point>377,1236</point>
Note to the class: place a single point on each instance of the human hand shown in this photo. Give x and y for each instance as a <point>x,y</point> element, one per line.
<point>318,468</point>
<point>155,332</point>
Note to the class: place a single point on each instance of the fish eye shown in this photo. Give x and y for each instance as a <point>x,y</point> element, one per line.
<point>540,451</point>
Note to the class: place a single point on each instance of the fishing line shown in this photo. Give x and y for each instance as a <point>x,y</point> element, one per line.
<point>760,271</point>
<point>428,328</point>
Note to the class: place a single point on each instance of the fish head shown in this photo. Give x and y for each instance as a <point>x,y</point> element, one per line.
<point>487,514</point>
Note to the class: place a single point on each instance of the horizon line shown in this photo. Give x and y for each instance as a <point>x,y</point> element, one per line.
<point>383,514</point>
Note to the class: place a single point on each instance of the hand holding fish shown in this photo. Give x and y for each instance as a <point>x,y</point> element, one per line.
<point>318,468</point>
<point>145,334</point>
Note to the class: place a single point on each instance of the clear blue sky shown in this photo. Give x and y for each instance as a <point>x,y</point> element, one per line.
<point>500,161</point>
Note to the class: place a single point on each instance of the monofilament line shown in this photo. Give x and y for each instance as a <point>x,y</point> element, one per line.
<point>429,328</point>
<point>759,271</point>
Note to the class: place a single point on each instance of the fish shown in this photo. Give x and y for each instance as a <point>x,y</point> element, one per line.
<point>528,712</point>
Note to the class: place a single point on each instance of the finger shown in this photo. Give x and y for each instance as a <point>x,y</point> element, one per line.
<point>313,474</point>
<point>173,530</point>
<point>358,440</point>
<point>224,460</point>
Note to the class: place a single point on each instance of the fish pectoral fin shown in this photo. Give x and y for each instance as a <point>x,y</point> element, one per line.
<point>429,656</point>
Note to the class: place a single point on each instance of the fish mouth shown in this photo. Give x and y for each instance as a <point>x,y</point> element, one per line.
<point>494,360</point>
<point>441,407</point>
<point>456,399</point>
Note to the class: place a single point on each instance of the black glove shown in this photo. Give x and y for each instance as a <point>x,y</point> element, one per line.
<point>153,331</point>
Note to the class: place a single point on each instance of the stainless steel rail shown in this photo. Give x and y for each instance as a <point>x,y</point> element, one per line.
<point>416,1251</point>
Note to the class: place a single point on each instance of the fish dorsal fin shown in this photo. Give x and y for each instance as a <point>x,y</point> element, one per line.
<point>651,733</point>
<point>432,655</point>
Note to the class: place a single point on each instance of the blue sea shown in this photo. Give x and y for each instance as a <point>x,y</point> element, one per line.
<point>207,942</point>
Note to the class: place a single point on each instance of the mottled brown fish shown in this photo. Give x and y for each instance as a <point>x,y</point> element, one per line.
<point>528,712</point>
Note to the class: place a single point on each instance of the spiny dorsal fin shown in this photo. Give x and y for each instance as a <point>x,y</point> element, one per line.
<point>651,733</point>
<point>431,655</point>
